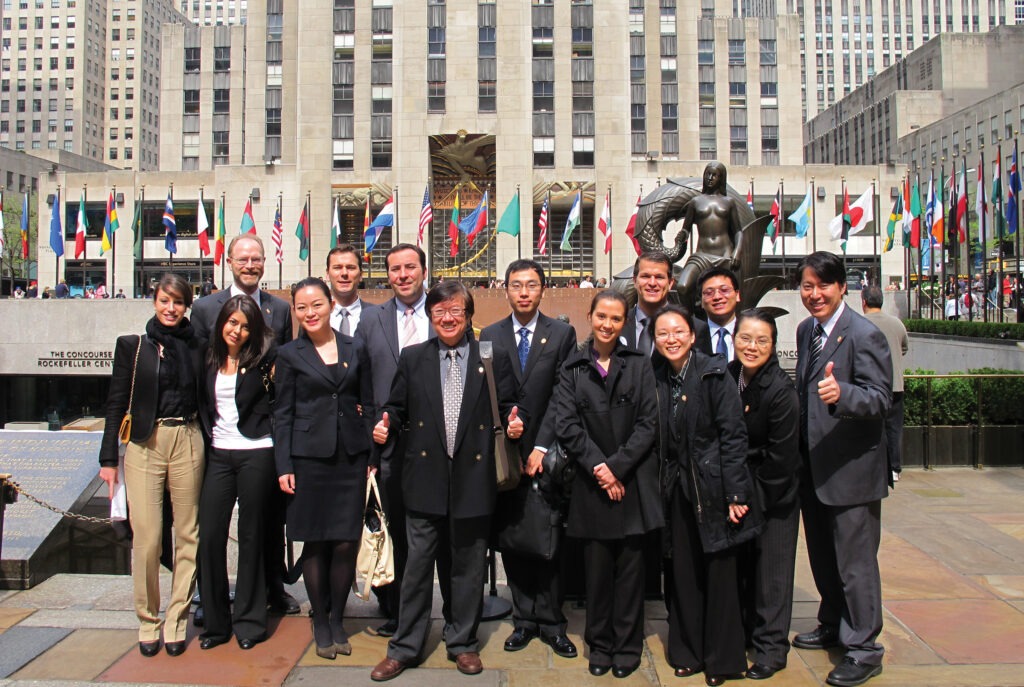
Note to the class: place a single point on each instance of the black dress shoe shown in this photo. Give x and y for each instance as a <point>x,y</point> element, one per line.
<point>561,645</point>
<point>388,629</point>
<point>623,671</point>
<point>821,637</point>
<point>149,649</point>
<point>519,639</point>
<point>713,680</point>
<point>246,643</point>
<point>687,672</point>
<point>851,673</point>
<point>210,642</point>
<point>283,603</point>
<point>199,618</point>
<point>597,670</point>
<point>175,648</point>
<point>760,671</point>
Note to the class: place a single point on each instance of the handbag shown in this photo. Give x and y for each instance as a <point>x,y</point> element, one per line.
<point>375,562</point>
<point>124,432</point>
<point>508,464</point>
<point>530,523</point>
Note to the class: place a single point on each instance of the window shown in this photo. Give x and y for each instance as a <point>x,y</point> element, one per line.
<point>380,154</point>
<point>488,42</point>
<point>192,59</point>
<point>705,52</point>
<point>436,41</point>
<point>343,158</point>
<point>221,101</point>
<point>737,52</point>
<point>488,101</point>
<point>583,152</point>
<point>220,147</point>
<point>768,52</point>
<point>221,59</point>
<point>191,102</point>
<point>543,96</point>
<point>435,96</point>
<point>583,96</point>
<point>543,151</point>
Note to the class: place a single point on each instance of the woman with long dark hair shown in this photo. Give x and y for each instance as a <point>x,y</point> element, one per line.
<point>324,417</point>
<point>155,378</point>
<point>236,411</point>
<point>607,420</point>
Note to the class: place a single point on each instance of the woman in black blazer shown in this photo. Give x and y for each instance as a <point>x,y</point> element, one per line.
<point>771,410</point>
<point>607,420</point>
<point>235,413</point>
<point>157,376</point>
<point>708,495</point>
<point>323,421</point>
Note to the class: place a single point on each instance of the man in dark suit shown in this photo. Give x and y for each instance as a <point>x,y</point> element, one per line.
<point>246,258</point>
<point>844,380</point>
<point>344,272</point>
<point>535,347</point>
<point>386,330</point>
<point>720,297</point>
<point>440,403</point>
<point>653,280</point>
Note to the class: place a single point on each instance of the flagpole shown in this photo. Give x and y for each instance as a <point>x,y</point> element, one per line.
<point>1016,230</point>
<point>142,244</point>
<point>906,248</point>
<point>942,244</point>
<point>487,227</point>
<point>197,233</point>
<point>394,198</point>
<point>547,229</point>
<point>458,239</point>
<point>113,246</point>
<point>842,212</point>
<point>999,233</point>
<point>309,223</point>
<point>430,227</point>
<point>519,232</point>
<point>967,239</point>
<point>610,239</point>
<point>56,266</point>
<point>876,210</point>
<point>814,219</point>
<point>982,238</point>
<point>85,237</point>
<point>781,229</point>
<point>951,225</point>
<point>223,258</point>
<point>920,256</point>
<point>280,263</point>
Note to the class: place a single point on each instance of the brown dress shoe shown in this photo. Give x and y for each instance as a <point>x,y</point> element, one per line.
<point>387,669</point>
<point>468,663</point>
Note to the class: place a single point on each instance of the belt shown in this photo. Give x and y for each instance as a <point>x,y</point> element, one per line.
<point>175,421</point>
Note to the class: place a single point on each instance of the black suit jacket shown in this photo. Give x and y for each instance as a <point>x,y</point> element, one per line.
<point>314,409</point>
<point>276,313</point>
<point>700,329</point>
<point>552,343</point>
<point>252,398</point>
<point>464,486</point>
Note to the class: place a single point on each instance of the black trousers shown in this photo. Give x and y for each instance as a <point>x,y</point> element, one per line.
<point>536,593</point>
<point>614,573</point>
<point>459,549</point>
<point>894,433</point>
<point>274,565</point>
<point>250,477</point>
<point>766,569</point>
<point>705,627</point>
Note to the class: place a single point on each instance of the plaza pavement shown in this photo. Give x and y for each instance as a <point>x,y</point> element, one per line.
<point>953,588</point>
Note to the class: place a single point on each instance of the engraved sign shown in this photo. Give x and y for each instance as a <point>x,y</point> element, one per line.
<point>76,359</point>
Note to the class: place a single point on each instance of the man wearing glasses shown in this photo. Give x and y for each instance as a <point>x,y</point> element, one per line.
<point>246,259</point>
<point>439,410</point>
<point>720,298</point>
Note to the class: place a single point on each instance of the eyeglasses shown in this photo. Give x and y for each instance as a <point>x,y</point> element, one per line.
<point>438,313</point>
<point>761,342</point>
<point>248,261</point>
<point>528,286</point>
<point>711,290</point>
<point>665,336</point>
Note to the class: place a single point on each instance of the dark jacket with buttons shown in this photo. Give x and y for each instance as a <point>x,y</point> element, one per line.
<point>253,391</point>
<point>315,409</point>
<point>465,485</point>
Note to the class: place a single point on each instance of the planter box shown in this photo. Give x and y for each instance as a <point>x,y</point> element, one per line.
<point>953,445</point>
<point>1003,445</point>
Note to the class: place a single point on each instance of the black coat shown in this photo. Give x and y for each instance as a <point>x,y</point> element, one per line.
<point>612,421</point>
<point>713,458</point>
<point>253,391</point>
<point>147,390</point>
<point>772,413</point>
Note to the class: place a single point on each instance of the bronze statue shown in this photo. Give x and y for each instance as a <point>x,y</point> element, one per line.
<point>719,228</point>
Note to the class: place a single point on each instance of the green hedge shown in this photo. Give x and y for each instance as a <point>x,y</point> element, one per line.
<point>981,330</point>
<point>955,401</point>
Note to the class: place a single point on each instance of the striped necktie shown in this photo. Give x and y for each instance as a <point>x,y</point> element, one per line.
<point>817,343</point>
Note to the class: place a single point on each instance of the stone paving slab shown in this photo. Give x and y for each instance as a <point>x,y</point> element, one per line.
<point>966,631</point>
<point>19,645</point>
<point>315,676</point>
<point>82,655</point>
<point>11,616</point>
<point>910,573</point>
<point>76,619</point>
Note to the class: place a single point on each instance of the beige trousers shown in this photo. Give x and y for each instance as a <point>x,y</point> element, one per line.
<point>172,460</point>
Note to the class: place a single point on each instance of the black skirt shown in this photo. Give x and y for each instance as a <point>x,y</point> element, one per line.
<point>329,497</point>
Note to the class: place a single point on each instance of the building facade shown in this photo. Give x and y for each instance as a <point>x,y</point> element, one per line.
<point>214,12</point>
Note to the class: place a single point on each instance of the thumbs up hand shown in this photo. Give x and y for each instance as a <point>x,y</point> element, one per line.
<point>380,430</point>
<point>828,388</point>
<point>515,424</point>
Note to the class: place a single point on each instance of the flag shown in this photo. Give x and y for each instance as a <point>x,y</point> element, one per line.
<point>776,213</point>
<point>453,228</point>
<point>80,228</point>
<point>170,227</point>
<point>335,225</point>
<point>426,215</point>
<point>385,218</point>
<point>24,228</point>
<point>366,228</point>
<point>277,235</point>
<point>961,204</point>
<point>802,216</point>
<point>915,216</point>
<point>996,198</point>
<point>542,229</point>
<point>202,224</point>
<point>302,233</point>
<point>571,222</point>
<point>939,214</point>
<point>604,223</point>
<point>839,227</point>
<point>475,221</point>
<point>110,225</point>
<point>981,204</point>
<point>219,248</point>
<point>631,228</point>
<point>929,205</point>
<point>895,219</point>
<point>855,217</point>
<point>56,231</point>
<point>509,221</point>
<point>137,231</point>
<point>248,225</point>
<point>750,197</point>
<point>1013,194</point>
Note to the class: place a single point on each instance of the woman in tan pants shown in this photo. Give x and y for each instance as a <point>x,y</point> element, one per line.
<point>155,377</point>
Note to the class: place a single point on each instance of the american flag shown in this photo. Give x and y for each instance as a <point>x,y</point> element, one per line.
<point>542,229</point>
<point>426,215</point>
<point>276,236</point>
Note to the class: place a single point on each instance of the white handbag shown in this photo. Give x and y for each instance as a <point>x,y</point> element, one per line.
<point>375,563</point>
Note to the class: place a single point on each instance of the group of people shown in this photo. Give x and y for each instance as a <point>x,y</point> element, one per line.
<point>676,425</point>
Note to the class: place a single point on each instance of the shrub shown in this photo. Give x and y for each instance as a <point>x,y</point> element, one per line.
<point>982,330</point>
<point>955,400</point>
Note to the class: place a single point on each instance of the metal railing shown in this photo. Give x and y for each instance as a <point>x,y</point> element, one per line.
<point>977,441</point>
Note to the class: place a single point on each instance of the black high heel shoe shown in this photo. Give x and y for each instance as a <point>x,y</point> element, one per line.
<point>322,638</point>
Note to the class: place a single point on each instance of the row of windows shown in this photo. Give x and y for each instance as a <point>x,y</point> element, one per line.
<point>37,63</point>
<point>221,59</point>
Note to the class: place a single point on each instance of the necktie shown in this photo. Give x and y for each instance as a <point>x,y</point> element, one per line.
<point>524,347</point>
<point>452,399</point>
<point>817,343</point>
<point>409,336</point>
<point>346,324</point>
<point>643,338</point>
<point>723,345</point>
